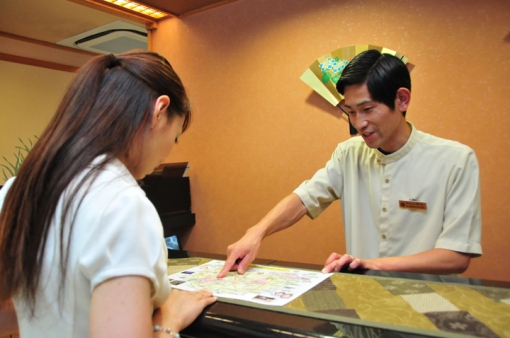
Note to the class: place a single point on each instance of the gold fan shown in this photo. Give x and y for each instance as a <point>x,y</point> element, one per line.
<point>325,72</point>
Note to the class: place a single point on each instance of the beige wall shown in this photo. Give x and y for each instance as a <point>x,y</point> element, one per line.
<point>29,97</point>
<point>258,131</point>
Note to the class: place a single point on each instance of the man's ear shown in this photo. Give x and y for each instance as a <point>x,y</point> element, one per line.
<point>403,99</point>
<point>160,107</point>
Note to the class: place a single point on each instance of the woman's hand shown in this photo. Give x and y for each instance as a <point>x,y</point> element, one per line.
<point>182,308</point>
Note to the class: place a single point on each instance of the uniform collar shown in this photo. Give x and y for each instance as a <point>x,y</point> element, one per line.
<point>393,157</point>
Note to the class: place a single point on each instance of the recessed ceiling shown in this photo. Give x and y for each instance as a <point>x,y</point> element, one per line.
<point>52,20</point>
<point>46,22</point>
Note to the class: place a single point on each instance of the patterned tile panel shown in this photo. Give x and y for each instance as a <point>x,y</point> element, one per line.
<point>402,287</point>
<point>318,301</point>
<point>460,322</point>
<point>494,314</point>
<point>429,302</point>
<point>426,306</point>
<point>373,302</point>
<point>497,295</point>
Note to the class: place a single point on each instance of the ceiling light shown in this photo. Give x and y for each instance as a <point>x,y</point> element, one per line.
<point>135,8</point>
<point>139,8</point>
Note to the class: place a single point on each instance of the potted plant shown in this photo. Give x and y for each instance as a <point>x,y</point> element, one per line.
<point>10,169</point>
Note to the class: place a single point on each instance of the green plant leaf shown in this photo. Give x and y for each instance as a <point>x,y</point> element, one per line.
<point>8,169</point>
<point>9,163</point>
<point>23,150</point>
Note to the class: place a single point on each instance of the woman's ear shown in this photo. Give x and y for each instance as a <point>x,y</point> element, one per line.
<point>403,99</point>
<point>160,107</point>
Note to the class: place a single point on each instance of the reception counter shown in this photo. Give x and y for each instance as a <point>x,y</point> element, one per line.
<point>361,304</point>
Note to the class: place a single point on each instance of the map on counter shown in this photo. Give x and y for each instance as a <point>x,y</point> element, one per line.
<point>261,284</point>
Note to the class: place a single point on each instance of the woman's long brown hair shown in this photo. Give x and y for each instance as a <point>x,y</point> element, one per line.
<point>108,102</point>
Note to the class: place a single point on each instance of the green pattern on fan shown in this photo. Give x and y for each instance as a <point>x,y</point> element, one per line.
<point>325,71</point>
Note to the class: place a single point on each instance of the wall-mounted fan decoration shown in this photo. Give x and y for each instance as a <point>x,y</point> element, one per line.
<point>325,71</point>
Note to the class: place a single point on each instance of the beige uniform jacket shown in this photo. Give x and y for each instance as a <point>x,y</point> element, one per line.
<point>384,197</point>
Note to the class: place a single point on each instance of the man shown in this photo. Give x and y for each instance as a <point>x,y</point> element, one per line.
<point>410,200</point>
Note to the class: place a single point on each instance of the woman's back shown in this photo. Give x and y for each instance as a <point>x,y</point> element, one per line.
<point>82,251</point>
<point>116,232</point>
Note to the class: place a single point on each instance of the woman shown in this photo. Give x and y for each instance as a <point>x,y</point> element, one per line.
<point>81,247</point>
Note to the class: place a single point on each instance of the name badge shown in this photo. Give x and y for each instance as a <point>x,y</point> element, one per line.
<point>413,205</point>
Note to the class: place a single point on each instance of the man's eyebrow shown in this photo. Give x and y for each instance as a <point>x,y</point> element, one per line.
<point>359,104</point>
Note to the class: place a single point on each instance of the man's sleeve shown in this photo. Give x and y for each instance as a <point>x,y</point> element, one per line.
<point>324,187</point>
<point>462,225</point>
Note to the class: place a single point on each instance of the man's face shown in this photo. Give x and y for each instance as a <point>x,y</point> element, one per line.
<point>377,124</point>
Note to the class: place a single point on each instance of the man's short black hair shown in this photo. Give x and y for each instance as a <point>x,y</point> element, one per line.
<point>384,74</point>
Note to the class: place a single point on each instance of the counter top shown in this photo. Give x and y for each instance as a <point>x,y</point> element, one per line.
<point>369,303</point>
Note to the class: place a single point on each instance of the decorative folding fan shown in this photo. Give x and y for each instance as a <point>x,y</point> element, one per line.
<point>325,72</point>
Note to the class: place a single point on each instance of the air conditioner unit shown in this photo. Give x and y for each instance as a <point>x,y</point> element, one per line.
<point>117,37</point>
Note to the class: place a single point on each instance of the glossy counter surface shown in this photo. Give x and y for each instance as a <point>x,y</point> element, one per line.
<point>372,304</point>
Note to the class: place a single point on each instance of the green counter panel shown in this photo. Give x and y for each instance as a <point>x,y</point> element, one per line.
<point>405,305</point>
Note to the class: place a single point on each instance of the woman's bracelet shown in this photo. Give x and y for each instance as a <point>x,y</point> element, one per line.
<point>158,328</point>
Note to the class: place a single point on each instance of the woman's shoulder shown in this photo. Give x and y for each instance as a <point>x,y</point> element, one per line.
<point>5,188</point>
<point>110,189</point>
<point>114,178</point>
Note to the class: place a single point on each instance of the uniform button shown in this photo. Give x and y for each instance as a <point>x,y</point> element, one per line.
<point>386,181</point>
<point>384,209</point>
<point>383,236</point>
